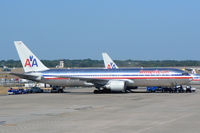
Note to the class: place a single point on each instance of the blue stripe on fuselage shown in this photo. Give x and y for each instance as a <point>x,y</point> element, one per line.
<point>134,70</point>
<point>109,72</point>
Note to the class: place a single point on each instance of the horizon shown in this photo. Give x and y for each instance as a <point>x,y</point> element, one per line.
<point>100,60</point>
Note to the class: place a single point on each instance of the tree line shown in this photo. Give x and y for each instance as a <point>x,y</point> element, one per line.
<point>99,63</point>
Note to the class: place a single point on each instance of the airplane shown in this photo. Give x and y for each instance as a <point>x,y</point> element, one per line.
<point>103,79</point>
<point>110,64</point>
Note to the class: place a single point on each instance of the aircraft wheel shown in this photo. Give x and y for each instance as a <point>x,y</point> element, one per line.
<point>96,92</point>
<point>60,91</point>
<point>106,91</point>
<point>126,91</point>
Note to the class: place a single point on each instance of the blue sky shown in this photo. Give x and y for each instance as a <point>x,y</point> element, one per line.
<point>80,29</point>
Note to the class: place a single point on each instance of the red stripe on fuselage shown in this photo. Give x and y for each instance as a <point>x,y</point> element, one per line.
<point>57,78</point>
<point>195,79</point>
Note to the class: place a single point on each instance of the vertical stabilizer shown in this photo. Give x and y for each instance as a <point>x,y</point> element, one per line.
<point>29,61</point>
<point>108,62</point>
<point>194,71</point>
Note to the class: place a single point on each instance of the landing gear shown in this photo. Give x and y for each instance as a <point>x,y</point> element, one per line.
<point>60,91</point>
<point>128,91</point>
<point>99,91</point>
<point>188,89</point>
<point>104,90</point>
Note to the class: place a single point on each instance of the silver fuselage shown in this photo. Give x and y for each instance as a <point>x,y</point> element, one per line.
<point>137,77</point>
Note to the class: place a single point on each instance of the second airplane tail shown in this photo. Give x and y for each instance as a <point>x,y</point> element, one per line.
<point>29,61</point>
<point>108,62</point>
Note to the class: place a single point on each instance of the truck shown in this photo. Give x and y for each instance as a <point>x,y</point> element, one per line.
<point>177,89</point>
<point>16,90</point>
<point>36,90</point>
<point>12,91</point>
<point>57,89</point>
<point>152,89</point>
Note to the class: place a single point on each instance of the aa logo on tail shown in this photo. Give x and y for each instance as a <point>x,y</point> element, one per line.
<point>111,66</point>
<point>31,62</point>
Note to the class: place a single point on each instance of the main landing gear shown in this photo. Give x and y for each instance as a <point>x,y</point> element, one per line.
<point>104,90</point>
<point>98,91</point>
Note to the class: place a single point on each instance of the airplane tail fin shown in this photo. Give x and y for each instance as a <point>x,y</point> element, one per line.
<point>29,61</point>
<point>108,62</point>
<point>194,71</point>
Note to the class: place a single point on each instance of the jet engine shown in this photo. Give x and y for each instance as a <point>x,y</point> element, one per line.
<point>116,86</point>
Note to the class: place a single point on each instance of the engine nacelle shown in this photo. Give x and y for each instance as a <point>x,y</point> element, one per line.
<point>116,86</point>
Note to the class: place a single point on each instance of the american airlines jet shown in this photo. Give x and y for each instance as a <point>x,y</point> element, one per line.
<point>102,79</point>
<point>110,64</point>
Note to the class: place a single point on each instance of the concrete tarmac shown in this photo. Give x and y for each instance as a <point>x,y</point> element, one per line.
<point>81,111</point>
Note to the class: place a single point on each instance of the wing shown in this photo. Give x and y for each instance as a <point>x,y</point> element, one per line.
<point>96,81</point>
